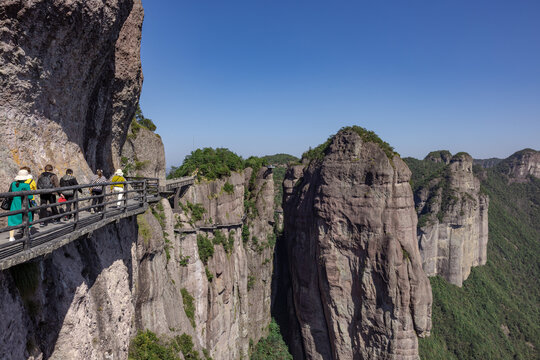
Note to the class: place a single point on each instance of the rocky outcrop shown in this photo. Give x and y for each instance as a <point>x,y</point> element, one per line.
<point>69,82</point>
<point>357,286</point>
<point>487,163</point>
<point>143,154</point>
<point>76,303</point>
<point>88,299</point>
<point>519,166</point>
<point>453,220</point>
<point>231,288</point>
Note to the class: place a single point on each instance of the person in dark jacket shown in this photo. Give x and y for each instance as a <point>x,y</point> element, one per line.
<point>48,180</point>
<point>97,190</point>
<point>68,180</point>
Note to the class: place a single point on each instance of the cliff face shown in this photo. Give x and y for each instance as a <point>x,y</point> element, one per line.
<point>89,298</point>
<point>521,165</point>
<point>453,220</point>
<point>357,284</point>
<point>70,79</point>
<point>143,154</point>
<point>231,288</point>
<point>76,303</point>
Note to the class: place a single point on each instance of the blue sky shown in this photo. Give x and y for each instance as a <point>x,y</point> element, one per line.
<point>264,77</point>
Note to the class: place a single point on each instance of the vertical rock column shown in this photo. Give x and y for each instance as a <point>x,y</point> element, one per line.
<point>358,288</point>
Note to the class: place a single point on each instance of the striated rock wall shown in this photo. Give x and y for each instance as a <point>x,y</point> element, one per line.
<point>89,298</point>
<point>453,221</point>
<point>75,303</point>
<point>357,286</point>
<point>232,289</point>
<point>70,77</point>
<point>143,154</point>
<point>519,166</point>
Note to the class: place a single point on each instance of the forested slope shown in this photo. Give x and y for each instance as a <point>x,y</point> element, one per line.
<point>495,315</point>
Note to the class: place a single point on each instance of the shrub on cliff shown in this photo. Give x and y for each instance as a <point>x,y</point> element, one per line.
<point>208,163</point>
<point>147,346</point>
<point>319,152</point>
<point>271,347</point>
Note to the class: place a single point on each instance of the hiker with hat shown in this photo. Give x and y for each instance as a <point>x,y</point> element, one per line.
<point>118,188</point>
<point>48,180</point>
<point>17,201</point>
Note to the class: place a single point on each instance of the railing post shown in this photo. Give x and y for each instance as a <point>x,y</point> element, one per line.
<point>125,198</point>
<point>76,209</point>
<point>102,200</point>
<point>144,195</point>
<point>26,221</point>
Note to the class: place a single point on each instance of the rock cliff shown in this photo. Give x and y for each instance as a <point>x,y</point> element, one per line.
<point>208,277</point>
<point>143,154</point>
<point>69,82</point>
<point>519,166</point>
<point>75,303</point>
<point>358,290</point>
<point>453,217</point>
<point>231,288</point>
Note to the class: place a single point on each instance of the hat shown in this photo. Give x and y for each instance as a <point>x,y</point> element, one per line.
<point>23,176</point>
<point>119,172</point>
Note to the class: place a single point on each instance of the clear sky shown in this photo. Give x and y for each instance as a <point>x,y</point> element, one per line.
<point>269,76</point>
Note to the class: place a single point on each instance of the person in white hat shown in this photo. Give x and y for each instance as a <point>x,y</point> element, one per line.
<point>118,188</point>
<point>17,201</point>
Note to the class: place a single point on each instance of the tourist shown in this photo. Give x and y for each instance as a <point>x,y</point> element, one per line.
<point>118,188</point>
<point>19,184</point>
<point>97,190</point>
<point>69,180</point>
<point>33,186</point>
<point>48,180</point>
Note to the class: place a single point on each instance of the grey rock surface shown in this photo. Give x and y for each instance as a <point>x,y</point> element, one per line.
<point>358,288</point>
<point>522,164</point>
<point>143,155</point>
<point>70,77</point>
<point>453,225</point>
<point>75,303</point>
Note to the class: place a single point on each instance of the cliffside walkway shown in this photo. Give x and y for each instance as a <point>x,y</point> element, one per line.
<point>33,240</point>
<point>176,187</point>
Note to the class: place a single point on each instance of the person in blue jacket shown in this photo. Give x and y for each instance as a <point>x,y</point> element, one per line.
<point>17,202</point>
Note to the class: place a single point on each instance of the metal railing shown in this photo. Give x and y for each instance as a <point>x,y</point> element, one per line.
<point>136,195</point>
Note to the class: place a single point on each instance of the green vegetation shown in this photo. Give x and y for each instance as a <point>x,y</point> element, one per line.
<point>220,238</point>
<point>271,347</point>
<point>140,120</point>
<point>319,152</point>
<point>197,211</point>
<point>228,188</point>
<point>209,274</point>
<point>495,315</point>
<point>208,163</point>
<point>280,159</point>
<point>147,346</point>
<point>205,248</point>
<point>251,282</point>
<point>245,233</point>
<point>144,229</point>
<point>189,305</point>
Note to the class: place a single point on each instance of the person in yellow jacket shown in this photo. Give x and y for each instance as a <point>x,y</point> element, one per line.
<point>118,188</point>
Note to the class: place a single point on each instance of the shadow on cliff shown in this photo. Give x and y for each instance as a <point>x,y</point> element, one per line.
<point>67,280</point>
